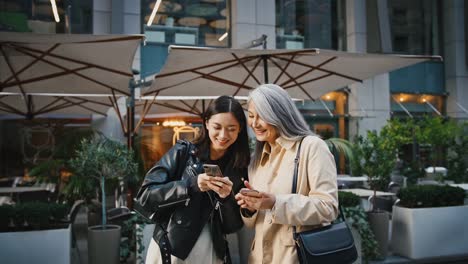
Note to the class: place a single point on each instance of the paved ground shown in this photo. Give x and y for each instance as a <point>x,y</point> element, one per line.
<point>81,256</point>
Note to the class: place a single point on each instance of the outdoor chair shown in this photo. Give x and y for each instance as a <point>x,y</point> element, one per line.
<point>119,215</point>
<point>382,203</point>
<point>393,187</point>
<point>115,216</point>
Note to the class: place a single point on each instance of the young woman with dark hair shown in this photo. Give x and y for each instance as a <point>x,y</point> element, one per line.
<point>194,211</point>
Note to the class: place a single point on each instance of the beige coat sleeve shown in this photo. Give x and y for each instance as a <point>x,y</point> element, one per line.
<point>317,201</point>
<point>249,221</point>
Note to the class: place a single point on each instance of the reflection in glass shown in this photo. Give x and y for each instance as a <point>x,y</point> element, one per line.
<point>199,23</point>
<point>310,24</point>
<point>415,26</point>
<point>36,16</point>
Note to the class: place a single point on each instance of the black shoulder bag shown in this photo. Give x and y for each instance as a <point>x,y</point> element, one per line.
<point>331,244</point>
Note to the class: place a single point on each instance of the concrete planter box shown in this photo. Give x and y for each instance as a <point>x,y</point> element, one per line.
<point>44,246</point>
<point>430,232</point>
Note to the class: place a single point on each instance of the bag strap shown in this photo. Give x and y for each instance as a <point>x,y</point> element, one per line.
<point>294,183</point>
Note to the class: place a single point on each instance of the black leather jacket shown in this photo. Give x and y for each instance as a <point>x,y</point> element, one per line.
<point>181,210</point>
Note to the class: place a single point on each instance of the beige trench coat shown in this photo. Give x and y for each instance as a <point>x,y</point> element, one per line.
<point>315,204</point>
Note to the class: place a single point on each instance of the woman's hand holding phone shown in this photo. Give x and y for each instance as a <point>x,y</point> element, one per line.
<point>214,180</point>
<point>253,200</point>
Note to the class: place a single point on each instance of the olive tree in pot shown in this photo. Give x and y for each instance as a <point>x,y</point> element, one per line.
<point>376,156</point>
<point>102,158</point>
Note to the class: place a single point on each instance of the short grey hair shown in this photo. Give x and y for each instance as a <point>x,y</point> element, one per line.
<point>274,106</point>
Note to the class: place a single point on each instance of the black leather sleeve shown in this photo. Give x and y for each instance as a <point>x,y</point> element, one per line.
<point>162,188</point>
<point>230,213</point>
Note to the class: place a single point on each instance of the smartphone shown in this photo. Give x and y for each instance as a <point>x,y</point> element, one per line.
<point>253,193</point>
<point>212,170</point>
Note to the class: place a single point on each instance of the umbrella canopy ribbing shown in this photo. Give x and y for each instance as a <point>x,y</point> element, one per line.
<point>306,74</point>
<point>64,63</point>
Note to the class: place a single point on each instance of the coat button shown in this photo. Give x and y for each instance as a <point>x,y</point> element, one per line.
<point>195,165</point>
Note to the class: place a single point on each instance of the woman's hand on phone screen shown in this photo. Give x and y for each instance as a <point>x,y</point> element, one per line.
<point>221,185</point>
<point>203,181</point>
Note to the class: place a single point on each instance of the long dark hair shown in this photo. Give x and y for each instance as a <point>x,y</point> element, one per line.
<point>239,150</point>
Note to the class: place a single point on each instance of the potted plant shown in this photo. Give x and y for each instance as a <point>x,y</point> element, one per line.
<point>457,164</point>
<point>360,228</point>
<point>37,227</point>
<point>376,157</point>
<point>103,159</point>
<point>430,221</point>
<point>137,232</point>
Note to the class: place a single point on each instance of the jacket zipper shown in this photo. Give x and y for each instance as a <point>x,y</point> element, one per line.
<point>176,202</point>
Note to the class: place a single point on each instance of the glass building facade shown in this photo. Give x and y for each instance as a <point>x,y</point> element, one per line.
<point>188,23</point>
<point>410,27</point>
<point>310,24</point>
<point>75,16</point>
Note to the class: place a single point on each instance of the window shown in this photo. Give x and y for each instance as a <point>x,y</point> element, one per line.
<point>182,22</point>
<point>310,24</point>
<point>200,23</point>
<point>415,26</point>
<point>36,16</point>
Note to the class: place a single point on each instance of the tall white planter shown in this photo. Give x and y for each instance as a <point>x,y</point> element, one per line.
<point>430,232</point>
<point>44,246</point>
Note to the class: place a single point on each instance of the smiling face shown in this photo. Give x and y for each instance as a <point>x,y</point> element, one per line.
<point>263,130</point>
<point>223,130</point>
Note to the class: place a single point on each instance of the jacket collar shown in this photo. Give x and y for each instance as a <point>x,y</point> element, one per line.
<point>280,142</point>
<point>285,143</point>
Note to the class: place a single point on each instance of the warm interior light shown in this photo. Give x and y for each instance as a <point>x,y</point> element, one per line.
<point>173,123</point>
<point>223,37</point>
<point>153,14</point>
<point>401,99</point>
<point>54,10</point>
<point>424,100</point>
<point>328,97</point>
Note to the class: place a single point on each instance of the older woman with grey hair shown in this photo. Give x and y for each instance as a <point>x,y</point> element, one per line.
<point>271,208</point>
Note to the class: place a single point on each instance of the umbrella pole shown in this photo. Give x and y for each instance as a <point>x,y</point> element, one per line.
<point>265,59</point>
<point>265,67</point>
<point>131,114</point>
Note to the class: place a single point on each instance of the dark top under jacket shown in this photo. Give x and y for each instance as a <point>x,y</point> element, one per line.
<point>170,192</point>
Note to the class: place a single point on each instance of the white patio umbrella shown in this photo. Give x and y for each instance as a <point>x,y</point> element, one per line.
<point>65,63</point>
<point>306,74</point>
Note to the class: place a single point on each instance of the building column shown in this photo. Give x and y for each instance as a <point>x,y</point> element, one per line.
<point>116,17</point>
<point>102,17</point>
<point>369,102</point>
<point>456,72</point>
<point>250,20</point>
